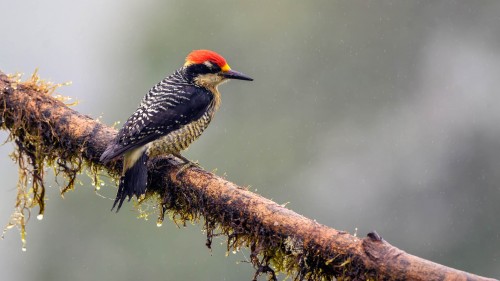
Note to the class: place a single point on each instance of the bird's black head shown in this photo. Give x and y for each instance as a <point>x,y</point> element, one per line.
<point>208,69</point>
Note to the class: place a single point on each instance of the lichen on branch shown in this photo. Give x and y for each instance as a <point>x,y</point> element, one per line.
<point>37,149</point>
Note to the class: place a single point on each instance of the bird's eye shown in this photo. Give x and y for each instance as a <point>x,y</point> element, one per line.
<point>214,68</point>
<point>209,64</point>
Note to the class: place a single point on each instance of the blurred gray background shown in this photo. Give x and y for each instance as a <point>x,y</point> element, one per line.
<point>367,115</point>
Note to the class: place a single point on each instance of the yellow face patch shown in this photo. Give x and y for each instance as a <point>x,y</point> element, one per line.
<point>225,68</point>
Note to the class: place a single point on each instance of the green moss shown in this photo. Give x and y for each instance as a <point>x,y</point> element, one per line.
<point>35,152</point>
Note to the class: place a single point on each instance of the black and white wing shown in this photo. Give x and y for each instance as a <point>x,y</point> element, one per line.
<point>166,108</point>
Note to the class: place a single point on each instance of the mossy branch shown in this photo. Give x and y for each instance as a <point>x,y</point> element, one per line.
<point>47,132</point>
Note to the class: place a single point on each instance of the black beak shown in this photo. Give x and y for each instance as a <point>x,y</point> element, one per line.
<point>233,74</point>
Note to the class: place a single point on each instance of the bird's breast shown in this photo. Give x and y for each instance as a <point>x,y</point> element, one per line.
<point>180,139</point>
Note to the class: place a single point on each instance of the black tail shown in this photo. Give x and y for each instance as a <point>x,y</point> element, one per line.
<point>133,182</point>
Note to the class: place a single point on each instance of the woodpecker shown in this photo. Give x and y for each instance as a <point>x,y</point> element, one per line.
<point>169,118</point>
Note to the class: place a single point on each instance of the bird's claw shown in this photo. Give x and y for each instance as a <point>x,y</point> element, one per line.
<point>187,164</point>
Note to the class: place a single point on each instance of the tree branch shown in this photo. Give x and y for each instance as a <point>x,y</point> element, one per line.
<point>278,238</point>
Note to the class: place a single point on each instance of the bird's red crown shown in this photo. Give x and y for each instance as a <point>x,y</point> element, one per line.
<point>201,56</point>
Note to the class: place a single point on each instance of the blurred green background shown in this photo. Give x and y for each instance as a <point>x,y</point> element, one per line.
<point>367,115</point>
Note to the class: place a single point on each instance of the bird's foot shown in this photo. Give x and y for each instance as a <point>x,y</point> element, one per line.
<point>187,164</point>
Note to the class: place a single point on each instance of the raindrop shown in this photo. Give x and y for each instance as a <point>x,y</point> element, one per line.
<point>40,217</point>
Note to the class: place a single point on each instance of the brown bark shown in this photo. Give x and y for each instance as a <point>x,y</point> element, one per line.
<point>311,250</point>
